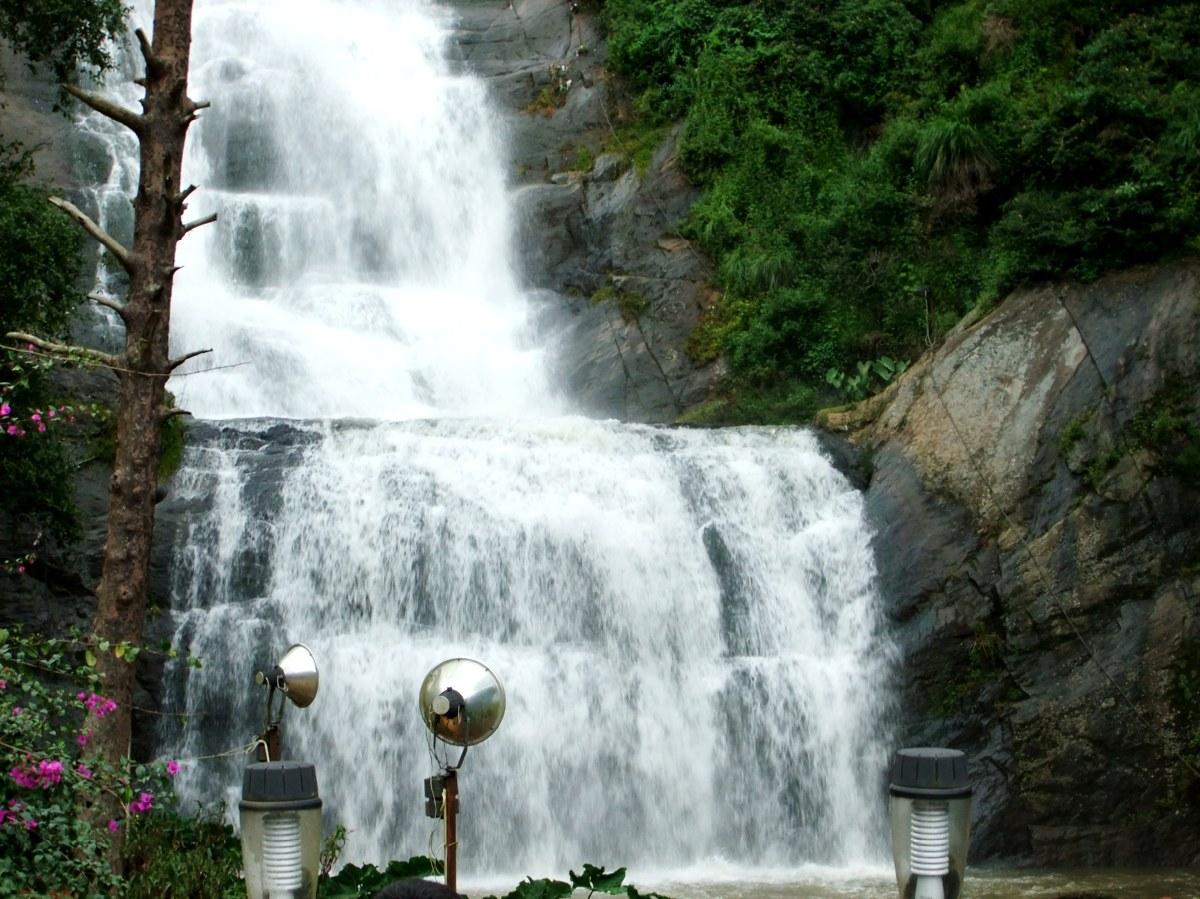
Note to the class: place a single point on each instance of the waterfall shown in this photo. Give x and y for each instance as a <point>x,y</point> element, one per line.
<point>685,621</point>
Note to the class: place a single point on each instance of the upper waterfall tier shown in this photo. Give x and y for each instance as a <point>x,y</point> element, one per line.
<point>361,264</point>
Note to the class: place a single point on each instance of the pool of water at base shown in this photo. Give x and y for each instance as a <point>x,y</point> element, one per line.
<point>879,883</point>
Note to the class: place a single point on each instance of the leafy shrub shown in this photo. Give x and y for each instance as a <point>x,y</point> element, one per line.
<point>54,839</point>
<point>171,854</point>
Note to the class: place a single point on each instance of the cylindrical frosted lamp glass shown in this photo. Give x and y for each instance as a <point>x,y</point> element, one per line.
<point>929,801</point>
<point>280,816</point>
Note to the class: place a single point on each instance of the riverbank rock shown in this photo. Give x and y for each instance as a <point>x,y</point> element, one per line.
<point>1032,486</point>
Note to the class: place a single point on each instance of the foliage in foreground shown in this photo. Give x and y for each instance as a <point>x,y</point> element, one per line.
<point>355,882</point>
<point>53,838</point>
<point>53,842</point>
<point>874,169</point>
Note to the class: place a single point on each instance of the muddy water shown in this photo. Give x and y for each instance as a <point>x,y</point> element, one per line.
<point>825,883</point>
<point>980,884</point>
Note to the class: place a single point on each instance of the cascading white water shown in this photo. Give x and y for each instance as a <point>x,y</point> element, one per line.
<point>684,621</point>
<point>360,266</point>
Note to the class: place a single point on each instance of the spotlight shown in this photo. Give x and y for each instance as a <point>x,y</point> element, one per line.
<point>462,704</point>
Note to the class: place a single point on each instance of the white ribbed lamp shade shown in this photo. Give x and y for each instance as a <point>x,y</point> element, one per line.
<point>929,802</point>
<point>280,815</point>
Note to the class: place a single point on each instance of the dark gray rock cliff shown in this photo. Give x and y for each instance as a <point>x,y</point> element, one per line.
<point>1033,487</point>
<point>599,237</point>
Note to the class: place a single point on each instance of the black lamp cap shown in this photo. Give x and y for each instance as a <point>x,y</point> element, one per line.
<point>929,773</point>
<point>285,786</point>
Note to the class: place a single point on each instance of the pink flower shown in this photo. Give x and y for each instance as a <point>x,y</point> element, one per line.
<point>84,738</point>
<point>5,409</point>
<point>17,710</point>
<point>83,771</point>
<point>172,767</point>
<point>41,427</point>
<point>13,431</point>
<point>36,416</point>
<point>30,824</point>
<point>143,803</point>
<point>20,570</point>
<point>50,414</point>
<point>3,685</point>
<point>49,772</point>
<point>24,778</point>
<point>98,705</point>
<point>81,696</point>
<point>113,825</point>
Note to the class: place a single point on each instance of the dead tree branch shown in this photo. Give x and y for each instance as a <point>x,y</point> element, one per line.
<point>199,223</point>
<point>67,350</point>
<point>127,117</point>
<point>109,303</point>
<point>153,64</point>
<point>109,242</point>
<point>175,363</point>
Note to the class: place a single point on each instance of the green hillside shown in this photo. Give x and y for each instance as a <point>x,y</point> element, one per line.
<point>874,170</point>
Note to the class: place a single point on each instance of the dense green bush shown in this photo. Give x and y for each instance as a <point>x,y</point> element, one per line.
<point>65,34</point>
<point>873,169</point>
<point>40,260</point>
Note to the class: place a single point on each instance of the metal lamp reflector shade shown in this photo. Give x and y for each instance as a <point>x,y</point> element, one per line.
<point>929,801</point>
<point>280,816</point>
<point>461,702</point>
<point>296,676</point>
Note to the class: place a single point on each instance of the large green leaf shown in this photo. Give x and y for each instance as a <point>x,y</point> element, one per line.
<point>598,880</point>
<point>355,881</point>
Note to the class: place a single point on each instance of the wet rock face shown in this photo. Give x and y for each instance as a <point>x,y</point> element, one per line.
<point>598,236</point>
<point>1033,497</point>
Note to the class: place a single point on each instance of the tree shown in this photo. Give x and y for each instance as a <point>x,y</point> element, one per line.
<point>65,34</point>
<point>144,365</point>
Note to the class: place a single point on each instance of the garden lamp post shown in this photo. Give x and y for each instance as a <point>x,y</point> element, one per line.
<point>280,810</point>
<point>280,816</point>
<point>929,801</point>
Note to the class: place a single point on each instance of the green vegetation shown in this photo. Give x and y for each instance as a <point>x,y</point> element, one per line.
<point>1165,428</point>
<point>170,854</point>
<point>635,142</point>
<point>973,664</point>
<point>1075,431</point>
<point>39,261</point>
<point>1185,697</point>
<point>65,34</point>
<point>875,169</point>
<point>630,303</point>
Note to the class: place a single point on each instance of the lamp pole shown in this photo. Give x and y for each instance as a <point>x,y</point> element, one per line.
<point>450,802</point>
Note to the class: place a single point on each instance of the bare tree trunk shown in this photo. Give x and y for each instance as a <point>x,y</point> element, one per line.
<point>158,210</point>
<point>144,365</point>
